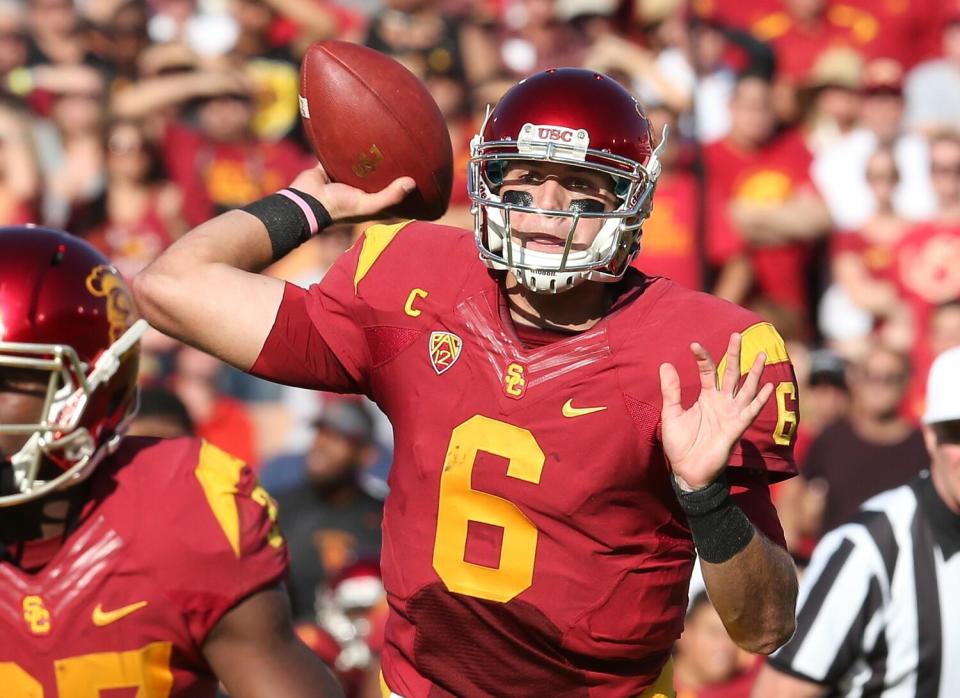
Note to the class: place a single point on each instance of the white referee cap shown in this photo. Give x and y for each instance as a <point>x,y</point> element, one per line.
<point>943,388</point>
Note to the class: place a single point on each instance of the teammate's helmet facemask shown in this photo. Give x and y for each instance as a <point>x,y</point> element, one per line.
<point>618,241</point>
<point>57,432</point>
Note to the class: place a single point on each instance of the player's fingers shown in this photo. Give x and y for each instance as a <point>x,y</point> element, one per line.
<point>706,367</point>
<point>731,371</point>
<point>670,390</point>
<point>749,389</point>
<point>751,411</point>
<point>391,194</point>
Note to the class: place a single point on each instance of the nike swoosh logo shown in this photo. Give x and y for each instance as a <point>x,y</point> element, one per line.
<point>101,617</point>
<point>570,411</point>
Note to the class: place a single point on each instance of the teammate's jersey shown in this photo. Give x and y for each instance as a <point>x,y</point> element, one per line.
<point>533,544</point>
<point>175,534</point>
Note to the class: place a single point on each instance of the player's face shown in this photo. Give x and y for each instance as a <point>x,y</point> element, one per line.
<point>554,186</point>
<point>22,393</point>
<point>332,459</point>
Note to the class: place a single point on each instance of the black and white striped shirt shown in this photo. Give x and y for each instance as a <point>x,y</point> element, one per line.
<point>879,606</point>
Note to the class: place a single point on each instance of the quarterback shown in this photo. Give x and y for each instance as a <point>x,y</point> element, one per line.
<point>565,443</point>
<point>137,565</point>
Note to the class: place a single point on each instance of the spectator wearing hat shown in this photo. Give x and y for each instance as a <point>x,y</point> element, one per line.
<point>878,613</point>
<point>840,170</point>
<point>872,449</point>
<point>331,519</point>
<point>832,90</point>
<point>826,400</point>
<point>932,89</point>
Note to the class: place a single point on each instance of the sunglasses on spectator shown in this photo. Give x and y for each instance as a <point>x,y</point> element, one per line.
<point>947,432</point>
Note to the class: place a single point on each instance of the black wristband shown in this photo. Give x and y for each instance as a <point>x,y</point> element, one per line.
<point>291,217</point>
<point>719,527</point>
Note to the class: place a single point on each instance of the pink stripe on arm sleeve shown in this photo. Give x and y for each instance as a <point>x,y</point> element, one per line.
<point>305,207</point>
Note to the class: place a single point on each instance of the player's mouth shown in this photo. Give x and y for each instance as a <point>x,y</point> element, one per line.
<point>544,242</point>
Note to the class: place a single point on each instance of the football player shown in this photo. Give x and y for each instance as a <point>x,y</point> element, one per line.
<point>565,443</point>
<point>136,564</point>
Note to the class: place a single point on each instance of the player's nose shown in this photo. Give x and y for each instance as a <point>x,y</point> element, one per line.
<point>550,194</point>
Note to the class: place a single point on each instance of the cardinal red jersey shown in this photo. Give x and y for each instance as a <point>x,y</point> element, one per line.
<point>532,543</point>
<point>175,534</point>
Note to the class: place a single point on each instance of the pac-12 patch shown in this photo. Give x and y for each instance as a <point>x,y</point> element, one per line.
<point>444,350</point>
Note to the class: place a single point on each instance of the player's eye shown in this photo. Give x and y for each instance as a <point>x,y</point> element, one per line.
<point>533,178</point>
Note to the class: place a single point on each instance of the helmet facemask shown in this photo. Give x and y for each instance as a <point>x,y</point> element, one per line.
<point>60,435</point>
<point>615,245</point>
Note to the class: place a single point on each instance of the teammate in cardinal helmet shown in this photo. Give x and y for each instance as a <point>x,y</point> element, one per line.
<point>548,489</point>
<point>127,563</point>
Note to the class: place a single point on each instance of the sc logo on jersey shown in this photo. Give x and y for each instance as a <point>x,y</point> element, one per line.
<point>514,381</point>
<point>36,615</point>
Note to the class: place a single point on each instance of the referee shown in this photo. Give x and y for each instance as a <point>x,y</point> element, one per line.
<point>879,605</point>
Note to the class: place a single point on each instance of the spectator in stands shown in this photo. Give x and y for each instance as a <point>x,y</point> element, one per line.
<point>932,89</point>
<point>13,45</point>
<point>840,170</point>
<point>138,215</point>
<point>221,419</point>
<point>707,663</point>
<point>863,266</point>
<point>55,34</point>
<point>773,206</point>
<point>118,35</point>
<point>824,400</point>
<point>873,449</point>
<point>878,608</point>
<point>833,96</point>
<point>718,53</point>
<point>800,32</point>
<point>221,164</point>
<point>926,272</point>
<point>72,159</point>
<point>161,414</point>
<point>672,244</point>
<point>331,520</point>
<point>945,327</point>
<point>657,68</point>
<point>19,175</point>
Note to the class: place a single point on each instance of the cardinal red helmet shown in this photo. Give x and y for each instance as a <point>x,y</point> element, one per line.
<point>572,117</point>
<point>66,314</point>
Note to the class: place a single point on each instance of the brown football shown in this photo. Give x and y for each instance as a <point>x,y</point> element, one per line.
<point>370,120</point>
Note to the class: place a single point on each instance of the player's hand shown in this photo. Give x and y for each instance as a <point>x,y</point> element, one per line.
<point>697,441</point>
<point>345,203</point>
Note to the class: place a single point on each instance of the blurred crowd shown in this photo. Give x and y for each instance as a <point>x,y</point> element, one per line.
<point>812,174</point>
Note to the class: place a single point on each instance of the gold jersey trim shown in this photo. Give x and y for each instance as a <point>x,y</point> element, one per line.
<point>375,241</point>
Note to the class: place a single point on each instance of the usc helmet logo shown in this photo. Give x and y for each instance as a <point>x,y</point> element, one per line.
<point>104,282</point>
